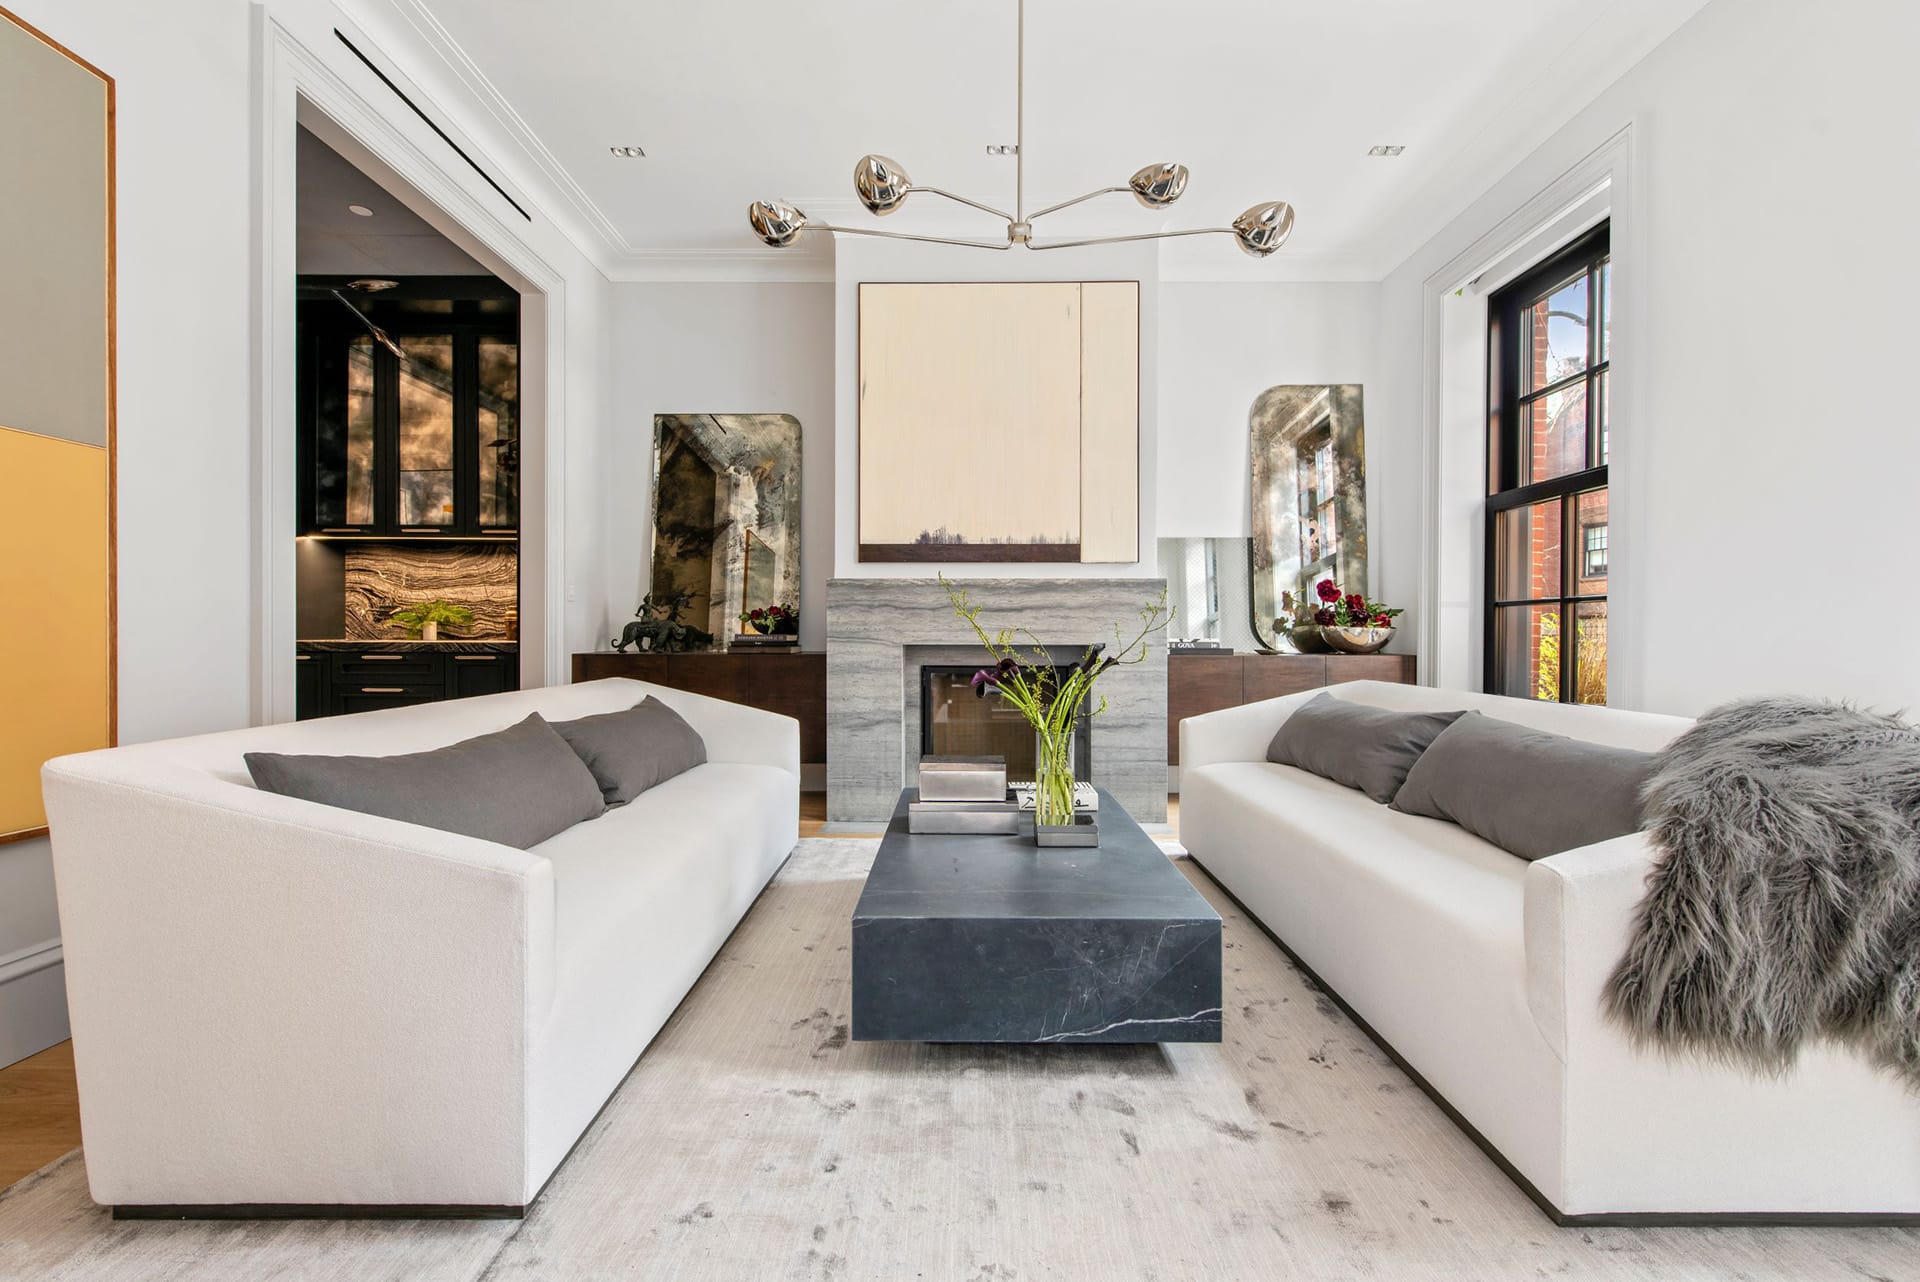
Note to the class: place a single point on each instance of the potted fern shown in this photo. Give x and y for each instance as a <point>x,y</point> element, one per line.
<point>422,620</point>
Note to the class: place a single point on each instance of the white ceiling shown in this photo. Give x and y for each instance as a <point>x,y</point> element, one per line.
<point>1262,99</point>
<point>331,240</point>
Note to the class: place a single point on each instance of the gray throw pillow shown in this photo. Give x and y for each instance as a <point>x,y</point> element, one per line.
<point>635,749</point>
<point>517,786</point>
<point>1362,747</point>
<point>1530,792</point>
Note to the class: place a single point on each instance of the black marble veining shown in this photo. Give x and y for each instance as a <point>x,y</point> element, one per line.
<point>965,938</point>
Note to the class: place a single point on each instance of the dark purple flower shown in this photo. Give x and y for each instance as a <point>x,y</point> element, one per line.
<point>1356,605</point>
<point>1323,617</point>
<point>1328,590</point>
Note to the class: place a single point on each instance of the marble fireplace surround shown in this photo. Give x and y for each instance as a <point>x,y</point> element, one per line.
<point>880,632</point>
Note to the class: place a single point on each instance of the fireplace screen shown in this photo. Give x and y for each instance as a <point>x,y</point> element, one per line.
<point>956,722</point>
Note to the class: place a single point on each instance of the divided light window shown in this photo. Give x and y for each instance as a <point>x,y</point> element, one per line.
<point>1549,348</point>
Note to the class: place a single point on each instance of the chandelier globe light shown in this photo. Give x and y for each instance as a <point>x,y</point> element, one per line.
<point>883,186</point>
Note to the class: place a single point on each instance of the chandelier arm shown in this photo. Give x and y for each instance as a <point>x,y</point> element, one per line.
<point>985,209</point>
<point>1149,235</point>
<point>1020,115</point>
<point>1038,214</point>
<point>900,235</point>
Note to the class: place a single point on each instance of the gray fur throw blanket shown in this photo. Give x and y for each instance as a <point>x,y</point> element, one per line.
<point>1784,902</point>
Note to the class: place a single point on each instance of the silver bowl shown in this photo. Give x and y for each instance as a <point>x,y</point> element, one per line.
<point>1305,640</point>
<point>1356,640</point>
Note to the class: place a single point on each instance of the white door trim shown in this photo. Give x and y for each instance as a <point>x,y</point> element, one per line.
<point>292,84</point>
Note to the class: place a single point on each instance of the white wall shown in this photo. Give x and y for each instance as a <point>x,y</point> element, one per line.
<point>713,347</point>
<point>857,260</point>
<point>1221,345</point>
<point>1777,167</point>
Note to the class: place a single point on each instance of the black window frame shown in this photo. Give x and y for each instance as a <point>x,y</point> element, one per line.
<point>1509,443</point>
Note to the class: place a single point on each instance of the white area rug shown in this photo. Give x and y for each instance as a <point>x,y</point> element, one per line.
<point>754,1141</point>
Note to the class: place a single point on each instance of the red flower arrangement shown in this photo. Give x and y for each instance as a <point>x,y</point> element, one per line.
<point>1338,609</point>
<point>778,619</point>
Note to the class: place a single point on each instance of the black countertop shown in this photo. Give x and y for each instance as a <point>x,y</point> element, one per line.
<point>398,645</point>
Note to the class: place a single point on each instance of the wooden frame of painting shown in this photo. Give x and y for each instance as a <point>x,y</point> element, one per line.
<point>999,421</point>
<point>57,409</point>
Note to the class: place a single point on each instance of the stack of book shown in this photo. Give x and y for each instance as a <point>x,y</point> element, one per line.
<point>963,795</point>
<point>764,641</point>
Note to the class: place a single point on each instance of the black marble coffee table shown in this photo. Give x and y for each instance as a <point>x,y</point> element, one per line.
<point>971,938</point>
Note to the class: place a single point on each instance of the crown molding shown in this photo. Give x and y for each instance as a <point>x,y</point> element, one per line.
<point>762,265</point>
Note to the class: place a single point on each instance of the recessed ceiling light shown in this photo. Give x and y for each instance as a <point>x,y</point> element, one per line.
<point>628,153</point>
<point>1385,151</point>
<point>1003,149</point>
<point>361,210</point>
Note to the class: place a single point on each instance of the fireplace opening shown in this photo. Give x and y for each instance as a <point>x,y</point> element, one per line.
<point>956,722</point>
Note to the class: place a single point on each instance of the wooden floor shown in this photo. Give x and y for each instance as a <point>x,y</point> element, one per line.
<point>39,1112</point>
<point>40,1108</point>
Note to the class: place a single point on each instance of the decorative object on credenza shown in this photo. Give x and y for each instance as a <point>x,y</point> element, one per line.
<point>763,641</point>
<point>883,187</point>
<point>1053,703</point>
<point>1336,622</point>
<point>657,627</point>
<point>1308,495</point>
<point>1783,904</point>
<point>1196,647</point>
<point>774,620</point>
<point>422,620</point>
<point>726,515</point>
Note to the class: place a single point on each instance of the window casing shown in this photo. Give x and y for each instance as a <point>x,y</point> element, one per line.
<point>1547,536</point>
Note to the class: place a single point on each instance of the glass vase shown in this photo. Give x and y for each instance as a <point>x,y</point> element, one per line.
<point>1053,777</point>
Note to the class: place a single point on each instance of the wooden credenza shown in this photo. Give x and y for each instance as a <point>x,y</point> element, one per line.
<point>792,683</point>
<point>1198,683</point>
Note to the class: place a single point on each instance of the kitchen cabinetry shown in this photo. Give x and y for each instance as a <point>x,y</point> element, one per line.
<point>342,677</point>
<point>420,438</point>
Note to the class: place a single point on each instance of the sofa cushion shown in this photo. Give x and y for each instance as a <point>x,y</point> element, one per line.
<point>517,786</point>
<point>1530,792</point>
<point>634,749</point>
<point>1371,749</point>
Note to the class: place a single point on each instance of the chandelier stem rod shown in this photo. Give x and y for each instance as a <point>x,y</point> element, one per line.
<point>901,235</point>
<point>1038,214</point>
<point>985,209</point>
<point>1020,117</point>
<point>1147,235</point>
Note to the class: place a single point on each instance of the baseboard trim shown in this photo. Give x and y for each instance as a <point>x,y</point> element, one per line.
<point>33,1000</point>
<point>33,958</point>
<point>321,1211</point>
<point>1605,1219</point>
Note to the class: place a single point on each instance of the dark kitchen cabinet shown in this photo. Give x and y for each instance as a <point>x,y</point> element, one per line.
<point>415,430</point>
<point>332,682</point>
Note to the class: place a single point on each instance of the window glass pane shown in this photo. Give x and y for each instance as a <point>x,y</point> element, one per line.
<point>426,431</point>
<point>1526,651</point>
<point>1553,336</point>
<point>1590,526</point>
<point>1606,410</point>
<point>1606,310</point>
<point>1590,672</point>
<point>499,432</point>
<point>1556,434</point>
<point>360,403</point>
<point>1527,560</point>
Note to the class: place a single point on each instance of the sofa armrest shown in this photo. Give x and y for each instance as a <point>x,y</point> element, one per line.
<point>1579,913</point>
<point>278,1001</point>
<point>1236,734</point>
<point>736,733</point>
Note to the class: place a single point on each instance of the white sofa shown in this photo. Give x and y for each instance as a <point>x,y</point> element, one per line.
<point>278,1004</point>
<point>1483,973</point>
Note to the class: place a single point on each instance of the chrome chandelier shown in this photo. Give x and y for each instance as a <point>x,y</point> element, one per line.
<point>883,186</point>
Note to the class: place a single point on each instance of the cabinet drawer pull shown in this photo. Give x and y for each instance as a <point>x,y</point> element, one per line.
<point>383,689</point>
<point>476,658</point>
<point>303,657</point>
<point>340,529</point>
<point>423,529</point>
<point>382,658</point>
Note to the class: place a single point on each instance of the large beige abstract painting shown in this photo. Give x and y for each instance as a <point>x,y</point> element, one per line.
<point>1000,422</point>
<point>56,415</point>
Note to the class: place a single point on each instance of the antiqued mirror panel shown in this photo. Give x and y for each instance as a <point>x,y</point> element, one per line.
<point>1309,496</point>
